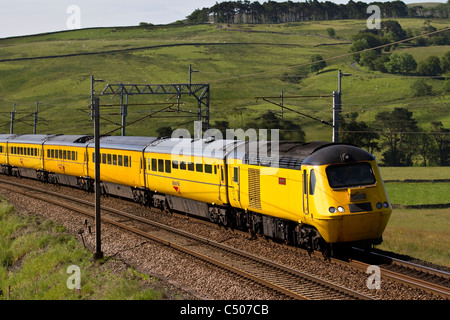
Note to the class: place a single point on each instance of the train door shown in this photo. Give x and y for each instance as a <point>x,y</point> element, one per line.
<point>222,184</point>
<point>305,192</point>
<point>142,170</point>
<point>235,183</point>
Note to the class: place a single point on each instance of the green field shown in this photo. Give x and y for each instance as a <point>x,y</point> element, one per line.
<point>423,234</point>
<point>419,233</point>
<point>240,62</point>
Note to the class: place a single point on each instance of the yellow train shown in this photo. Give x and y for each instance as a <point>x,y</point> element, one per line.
<point>308,194</point>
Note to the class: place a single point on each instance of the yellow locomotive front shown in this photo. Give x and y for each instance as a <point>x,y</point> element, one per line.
<point>347,200</point>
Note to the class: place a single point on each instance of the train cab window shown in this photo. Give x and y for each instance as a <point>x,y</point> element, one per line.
<point>168,166</point>
<point>199,167</point>
<point>312,182</point>
<point>191,166</point>
<point>154,165</point>
<point>350,175</point>
<point>160,165</point>
<point>208,168</point>
<point>236,174</point>
<point>183,165</point>
<point>174,164</point>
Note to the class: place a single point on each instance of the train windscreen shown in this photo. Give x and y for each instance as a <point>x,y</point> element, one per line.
<point>350,175</point>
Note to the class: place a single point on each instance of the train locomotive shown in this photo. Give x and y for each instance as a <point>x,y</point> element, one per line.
<point>312,195</point>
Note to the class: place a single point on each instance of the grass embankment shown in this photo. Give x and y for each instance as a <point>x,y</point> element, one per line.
<point>34,260</point>
<point>420,233</point>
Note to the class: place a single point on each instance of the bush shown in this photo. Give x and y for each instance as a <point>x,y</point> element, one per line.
<point>430,67</point>
<point>401,62</point>
<point>420,88</point>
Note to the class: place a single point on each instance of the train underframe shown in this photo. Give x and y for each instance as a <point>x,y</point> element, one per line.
<point>286,231</point>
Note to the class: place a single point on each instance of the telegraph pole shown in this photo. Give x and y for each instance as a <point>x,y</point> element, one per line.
<point>13,116</point>
<point>98,241</point>
<point>337,106</point>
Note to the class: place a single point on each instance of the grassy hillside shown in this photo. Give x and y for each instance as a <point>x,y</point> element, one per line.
<point>240,62</point>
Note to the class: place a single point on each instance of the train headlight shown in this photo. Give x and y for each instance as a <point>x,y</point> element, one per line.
<point>341,209</point>
<point>332,209</point>
<point>385,204</point>
<point>379,205</point>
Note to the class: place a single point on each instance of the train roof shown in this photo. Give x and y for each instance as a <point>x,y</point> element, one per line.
<point>338,153</point>
<point>208,148</point>
<point>130,143</point>
<point>30,138</point>
<point>68,140</point>
<point>6,136</point>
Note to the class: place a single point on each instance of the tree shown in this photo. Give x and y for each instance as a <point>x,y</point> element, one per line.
<point>420,88</point>
<point>430,67</point>
<point>441,136</point>
<point>288,130</point>
<point>319,65</point>
<point>400,63</point>
<point>397,136</point>
<point>358,133</point>
<point>445,62</point>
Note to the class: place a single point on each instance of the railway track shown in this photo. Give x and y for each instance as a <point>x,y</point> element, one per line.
<point>428,279</point>
<point>288,282</point>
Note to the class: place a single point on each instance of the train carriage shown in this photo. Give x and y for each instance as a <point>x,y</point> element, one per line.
<point>4,163</point>
<point>64,158</point>
<point>25,154</point>
<point>189,174</point>
<point>121,165</point>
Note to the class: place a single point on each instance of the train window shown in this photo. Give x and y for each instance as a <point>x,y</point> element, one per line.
<point>312,182</point>
<point>154,165</point>
<point>60,154</point>
<point>168,166</point>
<point>199,167</point>
<point>350,175</point>
<point>160,165</point>
<point>52,153</point>
<point>191,166</point>
<point>93,157</point>
<point>74,155</point>
<point>125,161</point>
<point>104,158</point>
<point>208,168</point>
<point>174,164</point>
<point>115,159</point>
<point>1,149</point>
<point>120,160</point>
<point>215,169</point>
<point>183,165</point>
<point>64,154</point>
<point>236,174</point>
<point>28,151</point>
<point>108,156</point>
